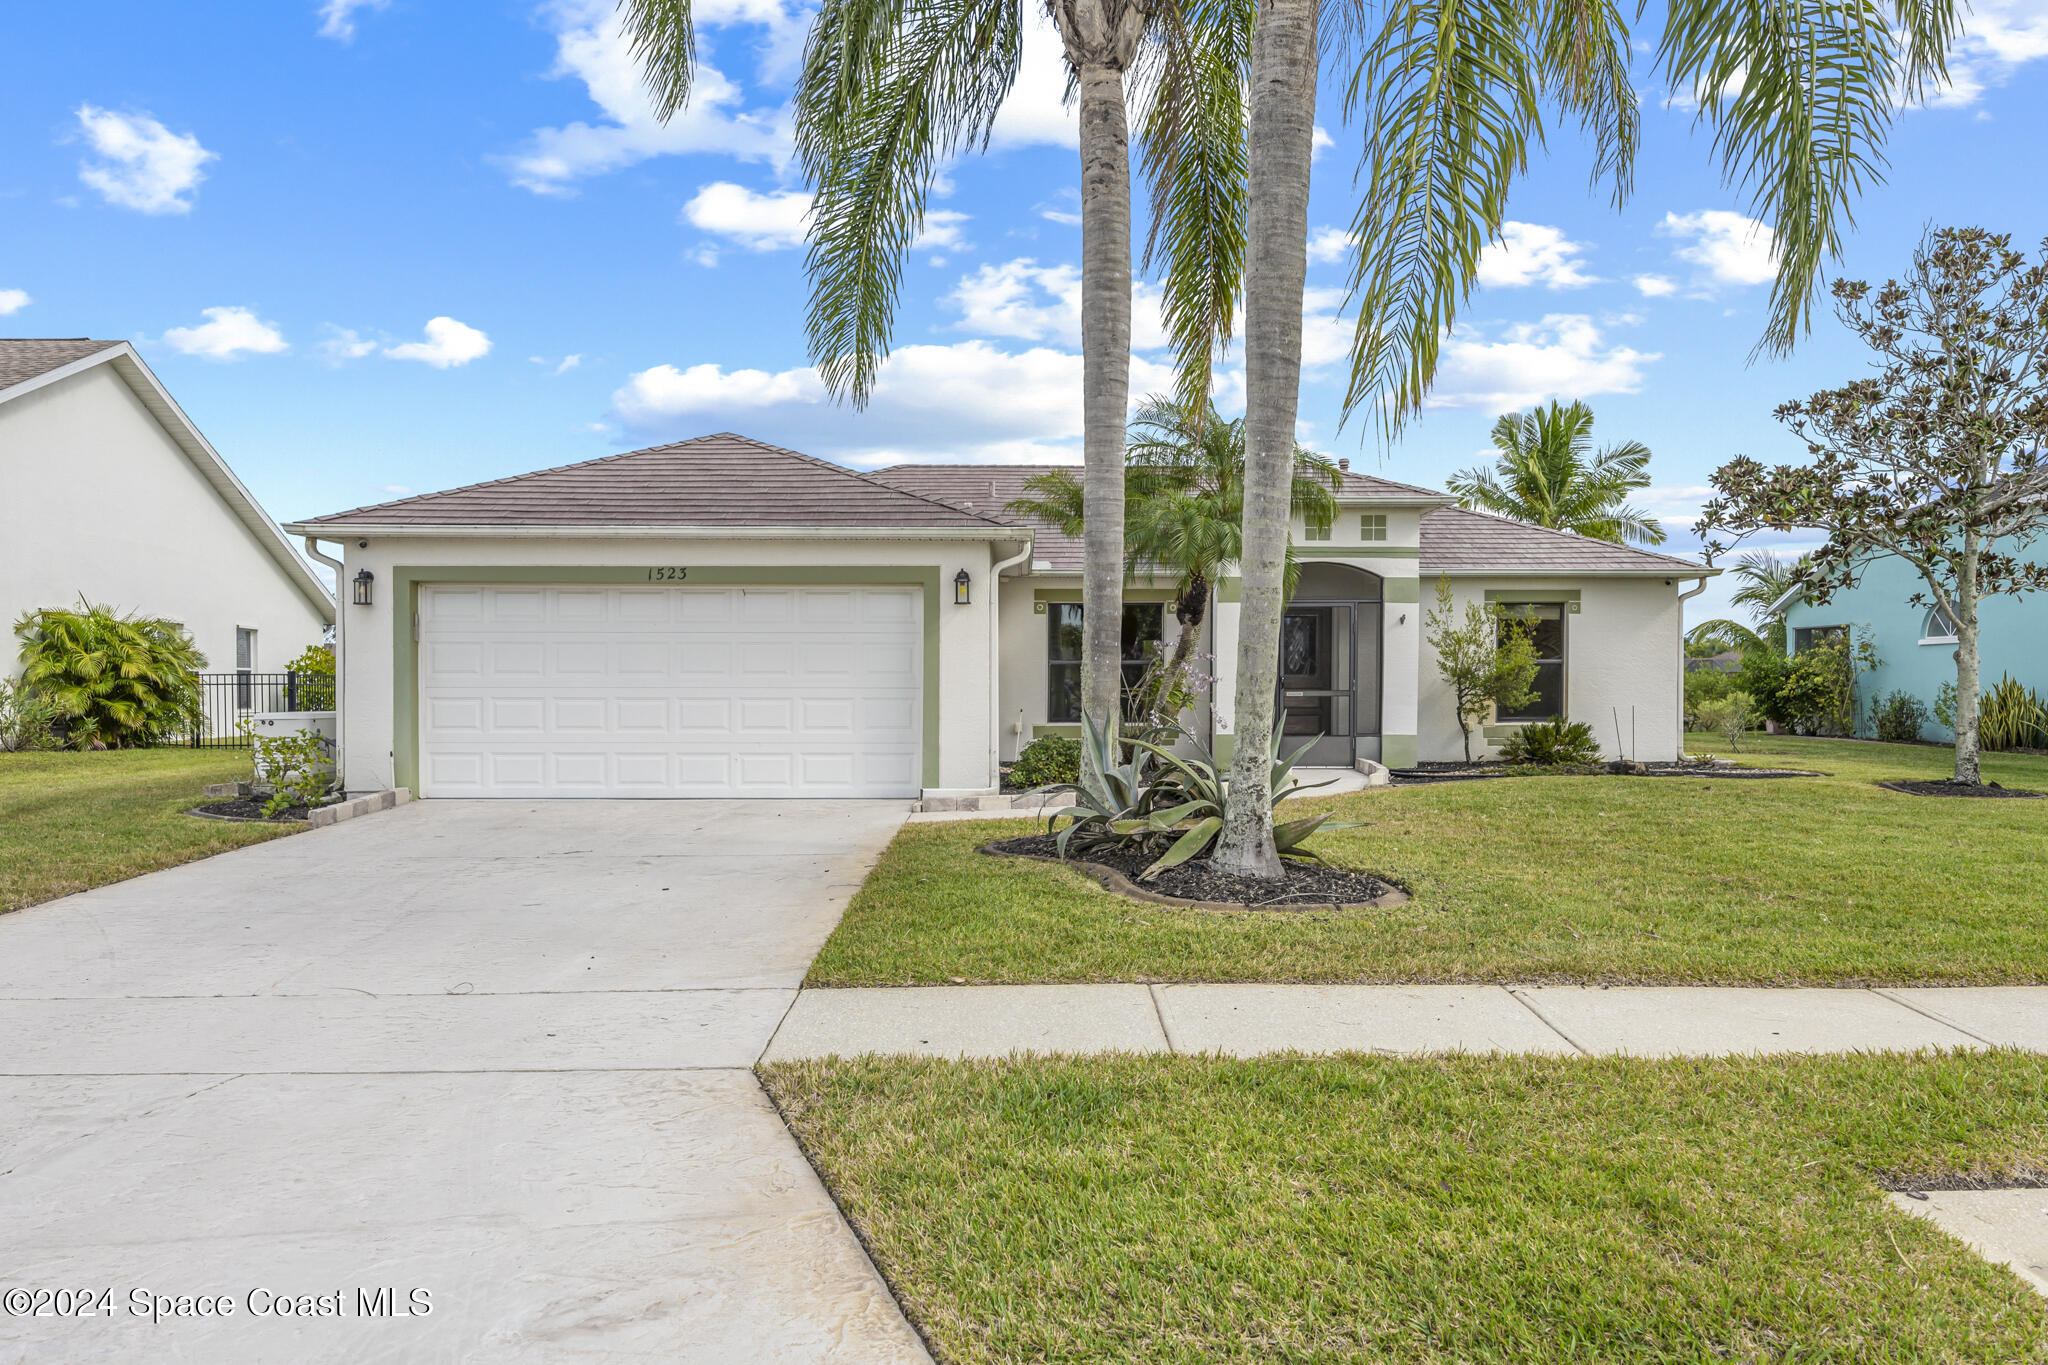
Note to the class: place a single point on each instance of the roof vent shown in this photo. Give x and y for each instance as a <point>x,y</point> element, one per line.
<point>1344,465</point>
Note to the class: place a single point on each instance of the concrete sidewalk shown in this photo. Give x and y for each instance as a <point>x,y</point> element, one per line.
<point>1248,1020</point>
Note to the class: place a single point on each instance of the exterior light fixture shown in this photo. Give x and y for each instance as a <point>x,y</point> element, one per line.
<point>960,582</point>
<point>363,580</point>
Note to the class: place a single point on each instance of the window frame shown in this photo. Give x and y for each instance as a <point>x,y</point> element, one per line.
<point>1372,526</point>
<point>1934,617</point>
<point>1564,615</point>
<point>245,672</point>
<point>1318,531</point>
<point>1132,667</point>
<point>1804,637</point>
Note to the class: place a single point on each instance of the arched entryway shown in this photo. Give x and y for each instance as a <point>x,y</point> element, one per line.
<point>1330,665</point>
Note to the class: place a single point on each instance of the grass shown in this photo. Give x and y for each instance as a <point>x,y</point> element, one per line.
<point>1180,1209</point>
<point>72,821</point>
<point>1799,880</point>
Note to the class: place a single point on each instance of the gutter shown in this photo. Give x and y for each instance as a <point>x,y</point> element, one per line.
<point>1683,598</point>
<point>995,665</point>
<point>340,668</point>
<point>344,530</point>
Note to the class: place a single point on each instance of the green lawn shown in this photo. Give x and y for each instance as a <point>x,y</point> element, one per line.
<point>69,821</point>
<point>1815,880</point>
<point>1179,1209</point>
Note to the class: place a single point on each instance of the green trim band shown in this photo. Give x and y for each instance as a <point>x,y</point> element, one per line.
<point>1130,594</point>
<point>1040,731</point>
<point>1532,594</point>
<point>407,578</point>
<point>1398,751</point>
<point>1322,551</point>
<point>1230,590</point>
<point>1222,751</point>
<point>1400,590</point>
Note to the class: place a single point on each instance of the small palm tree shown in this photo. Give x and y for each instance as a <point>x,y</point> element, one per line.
<point>1547,475</point>
<point>112,678</point>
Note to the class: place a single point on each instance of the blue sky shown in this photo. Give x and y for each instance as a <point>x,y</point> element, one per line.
<point>380,247</point>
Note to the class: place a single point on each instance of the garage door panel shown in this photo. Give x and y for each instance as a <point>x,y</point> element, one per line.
<point>577,691</point>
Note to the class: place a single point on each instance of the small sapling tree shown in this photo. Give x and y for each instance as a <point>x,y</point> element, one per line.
<point>1486,660</point>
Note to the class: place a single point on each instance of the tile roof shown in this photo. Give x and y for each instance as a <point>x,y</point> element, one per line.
<point>1455,540</point>
<point>721,480</point>
<point>24,358</point>
<point>1372,486</point>
<point>988,489</point>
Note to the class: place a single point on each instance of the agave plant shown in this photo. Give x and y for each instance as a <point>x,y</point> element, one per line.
<point>1161,802</point>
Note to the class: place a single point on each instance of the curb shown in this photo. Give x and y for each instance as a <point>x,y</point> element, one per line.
<point>360,805</point>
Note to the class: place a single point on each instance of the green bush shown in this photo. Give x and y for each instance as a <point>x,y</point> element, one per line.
<point>315,667</point>
<point>1733,716</point>
<point>1552,743</point>
<point>1763,677</point>
<point>1898,717</point>
<point>1704,685</point>
<point>28,720</point>
<point>113,679</point>
<point>1046,760</point>
<point>298,767</point>
<point>2010,716</point>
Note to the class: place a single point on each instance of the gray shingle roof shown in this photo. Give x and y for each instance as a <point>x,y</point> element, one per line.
<point>23,358</point>
<point>712,481</point>
<point>1455,540</point>
<point>988,489</point>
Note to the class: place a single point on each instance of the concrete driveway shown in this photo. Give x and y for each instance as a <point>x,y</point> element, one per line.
<point>494,1052</point>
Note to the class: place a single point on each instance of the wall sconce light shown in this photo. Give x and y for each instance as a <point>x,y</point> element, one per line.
<point>960,582</point>
<point>362,587</point>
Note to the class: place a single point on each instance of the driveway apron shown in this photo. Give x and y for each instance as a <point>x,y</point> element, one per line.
<point>462,1081</point>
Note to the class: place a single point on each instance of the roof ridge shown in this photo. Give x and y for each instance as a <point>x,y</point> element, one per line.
<point>866,478</point>
<point>1571,536</point>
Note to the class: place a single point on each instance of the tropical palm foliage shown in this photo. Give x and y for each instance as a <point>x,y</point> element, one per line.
<point>113,679</point>
<point>1547,474</point>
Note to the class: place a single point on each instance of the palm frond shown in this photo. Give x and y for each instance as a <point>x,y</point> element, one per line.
<point>663,41</point>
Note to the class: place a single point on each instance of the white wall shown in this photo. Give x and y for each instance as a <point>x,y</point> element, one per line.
<point>1026,685</point>
<point>367,637</point>
<point>1621,660</point>
<point>97,499</point>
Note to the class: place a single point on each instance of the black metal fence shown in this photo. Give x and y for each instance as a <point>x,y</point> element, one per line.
<point>230,697</point>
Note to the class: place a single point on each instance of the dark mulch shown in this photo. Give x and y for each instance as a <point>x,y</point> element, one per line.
<point>2025,1176</point>
<point>1948,788</point>
<point>248,808</point>
<point>1306,883</point>
<point>1423,774</point>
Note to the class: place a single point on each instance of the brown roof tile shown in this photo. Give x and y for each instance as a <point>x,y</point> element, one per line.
<point>712,481</point>
<point>24,358</point>
<point>1455,540</point>
<point>988,489</point>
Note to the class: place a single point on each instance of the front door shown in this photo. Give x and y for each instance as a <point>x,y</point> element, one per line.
<point>1318,673</point>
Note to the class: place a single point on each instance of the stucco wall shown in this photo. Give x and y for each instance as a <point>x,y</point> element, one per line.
<point>1026,652</point>
<point>1621,665</point>
<point>97,499</point>
<point>2012,636</point>
<point>367,641</point>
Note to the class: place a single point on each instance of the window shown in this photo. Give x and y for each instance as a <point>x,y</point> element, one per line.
<point>1372,526</point>
<point>1144,626</point>
<point>1806,637</point>
<point>1939,628</point>
<point>1545,623</point>
<point>245,667</point>
<point>1315,526</point>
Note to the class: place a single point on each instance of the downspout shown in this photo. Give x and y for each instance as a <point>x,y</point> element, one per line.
<point>340,615</point>
<point>995,664</point>
<point>1699,587</point>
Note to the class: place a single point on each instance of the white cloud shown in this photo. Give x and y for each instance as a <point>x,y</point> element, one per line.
<point>1532,253</point>
<point>1065,208</point>
<point>397,489</point>
<point>1024,300</point>
<point>449,343</point>
<point>1655,286</point>
<point>758,222</point>
<point>591,48</point>
<point>1319,142</point>
<point>227,333</point>
<point>143,165</point>
<point>1325,334</point>
<point>1036,112</point>
<point>942,231</point>
<point>1730,248</point>
<point>1328,245</point>
<point>338,17</point>
<point>569,362</point>
<point>969,401</point>
<point>343,344</point>
<point>1563,356</point>
<point>13,301</point>
<point>1998,37</point>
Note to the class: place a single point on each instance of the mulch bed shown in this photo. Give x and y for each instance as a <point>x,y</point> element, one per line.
<point>1422,774</point>
<point>1307,885</point>
<point>2025,1176</point>
<point>248,808</point>
<point>1947,788</point>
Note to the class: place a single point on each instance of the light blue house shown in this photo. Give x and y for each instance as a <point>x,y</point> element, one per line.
<point>1916,645</point>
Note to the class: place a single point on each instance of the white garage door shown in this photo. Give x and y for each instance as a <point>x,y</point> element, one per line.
<point>670,691</point>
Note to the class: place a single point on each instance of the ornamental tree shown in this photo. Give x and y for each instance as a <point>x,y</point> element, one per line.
<point>1486,661</point>
<point>1937,459</point>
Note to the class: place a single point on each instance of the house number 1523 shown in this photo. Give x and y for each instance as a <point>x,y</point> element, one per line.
<point>670,574</point>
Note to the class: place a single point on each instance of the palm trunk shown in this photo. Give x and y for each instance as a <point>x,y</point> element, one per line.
<point>1280,142</point>
<point>1968,688</point>
<point>1106,377</point>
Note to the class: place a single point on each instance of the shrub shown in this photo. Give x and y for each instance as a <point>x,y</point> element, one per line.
<point>1552,743</point>
<point>315,667</point>
<point>1704,685</point>
<point>112,679</point>
<point>1733,716</point>
<point>1047,760</point>
<point>1819,692</point>
<point>1763,677</point>
<point>28,720</point>
<point>298,766</point>
<point>2010,716</point>
<point>1898,717</point>
<point>1945,706</point>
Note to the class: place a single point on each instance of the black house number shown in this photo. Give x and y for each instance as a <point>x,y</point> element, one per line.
<point>669,574</point>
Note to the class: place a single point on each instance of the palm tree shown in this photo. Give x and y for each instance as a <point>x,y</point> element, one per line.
<point>1448,99</point>
<point>1544,477</point>
<point>1184,512</point>
<point>1766,577</point>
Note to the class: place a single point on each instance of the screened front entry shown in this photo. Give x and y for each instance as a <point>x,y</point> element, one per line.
<point>1330,665</point>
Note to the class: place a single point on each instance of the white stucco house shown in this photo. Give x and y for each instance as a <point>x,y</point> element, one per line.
<point>720,617</point>
<point>110,493</point>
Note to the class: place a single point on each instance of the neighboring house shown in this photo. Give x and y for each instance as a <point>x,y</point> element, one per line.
<point>721,617</point>
<point>1916,646</point>
<point>109,493</point>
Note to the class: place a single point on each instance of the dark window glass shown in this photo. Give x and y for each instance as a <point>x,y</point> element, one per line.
<point>1144,627</point>
<point>1805,637</point>
<point>1544,621</point>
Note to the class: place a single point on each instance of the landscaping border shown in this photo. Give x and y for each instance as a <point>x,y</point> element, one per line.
<point>1115,881</point>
